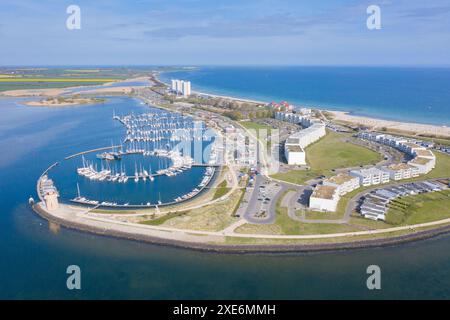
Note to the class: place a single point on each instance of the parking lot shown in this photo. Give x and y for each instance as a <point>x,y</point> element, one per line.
<point>259,202</point>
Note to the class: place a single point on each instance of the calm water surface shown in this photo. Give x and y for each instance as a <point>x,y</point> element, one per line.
<point>34,256</point>
<point>410,94</point>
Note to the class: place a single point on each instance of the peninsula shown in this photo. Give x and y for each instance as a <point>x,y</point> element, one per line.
<point>308,188</point>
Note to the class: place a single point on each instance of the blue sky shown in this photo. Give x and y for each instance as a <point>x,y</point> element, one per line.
<point>207,32</point>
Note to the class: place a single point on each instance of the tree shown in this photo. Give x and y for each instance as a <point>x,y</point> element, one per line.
<point>233,115</point>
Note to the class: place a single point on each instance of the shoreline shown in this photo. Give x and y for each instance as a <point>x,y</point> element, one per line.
<point>376,123</point>
<point>81,89</point>
<point>247,248</point>
<point>212,241</point>
<point>354,118</point>
<point>53,103</point>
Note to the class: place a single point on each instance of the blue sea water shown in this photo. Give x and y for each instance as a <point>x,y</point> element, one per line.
<point>419,95</point>
<point>34,255</point>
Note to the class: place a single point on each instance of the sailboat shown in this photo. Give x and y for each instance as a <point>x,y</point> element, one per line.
<point>136,176</point>
<point>150,172</point>
<point>78,192</point>
<point>143,173</point>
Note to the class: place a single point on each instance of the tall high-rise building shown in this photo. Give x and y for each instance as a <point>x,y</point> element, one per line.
<point>186,90</point>
<point>181,87</point>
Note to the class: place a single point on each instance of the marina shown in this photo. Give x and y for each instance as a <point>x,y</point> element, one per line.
<point>92,132</point>
<point>156,149</point>
<point>210,171</point>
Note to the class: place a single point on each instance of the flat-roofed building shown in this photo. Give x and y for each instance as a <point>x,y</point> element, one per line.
<point>399,171</point>
<point>294,155</point>
<point>393,141</point>
<point>410,147</point>
<point>181,87</point>
<point>372,136</point>
<point>186,88</point>
<point>309,135</point>
<point>324,198</point>
<point>424,154</point>
<point>424,165</point>
<point>344,183</point>
<point>371,176</point>
<point>314,130</point>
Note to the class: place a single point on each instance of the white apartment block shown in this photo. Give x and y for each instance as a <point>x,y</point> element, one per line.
<point>186,90</point>
<point>410,148</point>
<point>181,87</point>
<point>371,176</point>
<point>310,134</point>
<point>324,198</point>
<point>424,160</point>
<point>344,183</point>
<point>401,171</point>
<point>388,140</point>
<point>295,155</point>
<point>297,142</point>
<point>424,165</point>
<point>372,136</point>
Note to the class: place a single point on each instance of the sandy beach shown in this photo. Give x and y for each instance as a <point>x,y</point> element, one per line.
<point>374,123</point>
<point>378,124</point>
<point>230,98</point>
<point>33,92</point>
<point>103,89</point>
<point>55,102</point>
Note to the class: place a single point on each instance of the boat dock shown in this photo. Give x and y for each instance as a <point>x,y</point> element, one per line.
<point>106,204</point>
<point>90,151</point>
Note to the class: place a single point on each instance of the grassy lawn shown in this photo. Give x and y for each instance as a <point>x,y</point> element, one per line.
<point>42,79</point>
<point>12,85</point>
<point>161,220</point>
<point>297,176</point>
<point>213,217</point>
<point>419,208</point>
<point>255,126</point>
<point>329,153</point>
<point>53,79</point>
<point>315,215</point>
<point>237,240</point>
<point>221,190</point>
<point>442,169</point>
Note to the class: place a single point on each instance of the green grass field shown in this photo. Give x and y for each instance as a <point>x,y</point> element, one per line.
<point>419,208</point>
<point>161,220</point>
<point>14,85</point>
<point>221,190</point>
<point>329,153</point>
<point>442,169</point>
<point>255,126</point>
<point>42,79</point>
